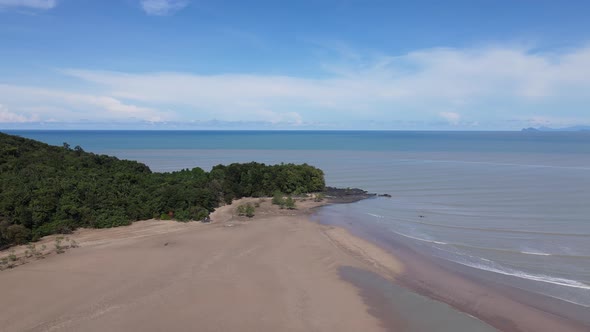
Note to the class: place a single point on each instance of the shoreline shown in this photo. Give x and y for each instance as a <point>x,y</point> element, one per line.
<point>501,306</point>
<point>367,267</point>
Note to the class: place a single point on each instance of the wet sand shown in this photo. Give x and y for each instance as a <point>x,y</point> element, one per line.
<point>505,308</point>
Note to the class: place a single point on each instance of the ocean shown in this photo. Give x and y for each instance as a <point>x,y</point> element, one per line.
<point>513,206</point>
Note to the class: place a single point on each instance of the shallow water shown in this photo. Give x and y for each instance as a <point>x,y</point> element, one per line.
<point>513,204</point>
<point>402,310</point>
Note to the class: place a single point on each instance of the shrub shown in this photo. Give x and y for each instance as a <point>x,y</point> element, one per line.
<point>60,227</point>
<point>17,234</point>
<point>39,254</point>
<point>290,203</point>
<point>182,215</point>
<point>12,257</point>
<point>110,218</point>
<point>198,213</point>
<point>58,247</point>
<point>278,199</point>
<point>246,210</point>
<point>319,197</point>
<point>32,249</point>
<point>249,210</point>
<point>242,210</point>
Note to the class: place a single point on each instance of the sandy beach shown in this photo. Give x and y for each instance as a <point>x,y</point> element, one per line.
<point>274,272</point>
<point>277,271</point>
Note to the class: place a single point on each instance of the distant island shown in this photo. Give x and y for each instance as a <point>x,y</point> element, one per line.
<point>49,189</point>
<point>573,128</point>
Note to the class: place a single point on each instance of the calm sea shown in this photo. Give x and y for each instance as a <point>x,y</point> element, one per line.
<point>515,205</point>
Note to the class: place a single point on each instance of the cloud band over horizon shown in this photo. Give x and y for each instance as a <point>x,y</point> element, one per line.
<point>500,87</point>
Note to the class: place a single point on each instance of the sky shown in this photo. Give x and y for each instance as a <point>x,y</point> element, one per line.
<point>322,64</point>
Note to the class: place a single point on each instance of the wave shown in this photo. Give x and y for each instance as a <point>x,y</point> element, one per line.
<point>420,239</point>
<point>483,229</point>
<point>491,266</point>
<point>540,278</point>
<point>517,231</point>
<point>511,272</point>
<point>526,251</point>
<point>535,253</point>
<point>523,252</point>
<point>497,268</point>
<point>460,245</point>
<point>529,276</point>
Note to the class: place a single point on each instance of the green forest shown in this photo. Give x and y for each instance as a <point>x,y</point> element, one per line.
<point>48,189</point>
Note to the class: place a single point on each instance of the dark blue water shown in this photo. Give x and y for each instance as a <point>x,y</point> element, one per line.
<point>514,204</point>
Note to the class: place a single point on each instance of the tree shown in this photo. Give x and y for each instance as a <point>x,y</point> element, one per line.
<point>78,149</point>
<point>48,189</point>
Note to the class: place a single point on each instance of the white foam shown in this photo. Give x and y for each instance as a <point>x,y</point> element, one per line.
<point>420,239</point>
<point>531,251</point>
<point>535,253</point>
<point>524,275</point>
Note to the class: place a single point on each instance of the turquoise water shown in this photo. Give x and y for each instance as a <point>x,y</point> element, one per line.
<point>514,205</point>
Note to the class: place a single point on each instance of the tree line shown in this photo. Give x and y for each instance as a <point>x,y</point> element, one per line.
<point>48,189</point>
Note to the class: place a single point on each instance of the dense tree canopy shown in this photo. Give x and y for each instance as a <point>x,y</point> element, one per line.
<point>48,189</point>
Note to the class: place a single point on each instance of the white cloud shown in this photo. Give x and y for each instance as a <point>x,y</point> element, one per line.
<point>555,121</point>
<point>292,118</point>
<point>495,87</point>
<point>66,106</point>
<point>35,4</point>
<point>452,117</point>
<point>163,7</point>
<point>9,117</point>
<point>479,84</point>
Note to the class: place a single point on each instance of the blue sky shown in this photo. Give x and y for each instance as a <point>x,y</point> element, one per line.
<point>190,64</point>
